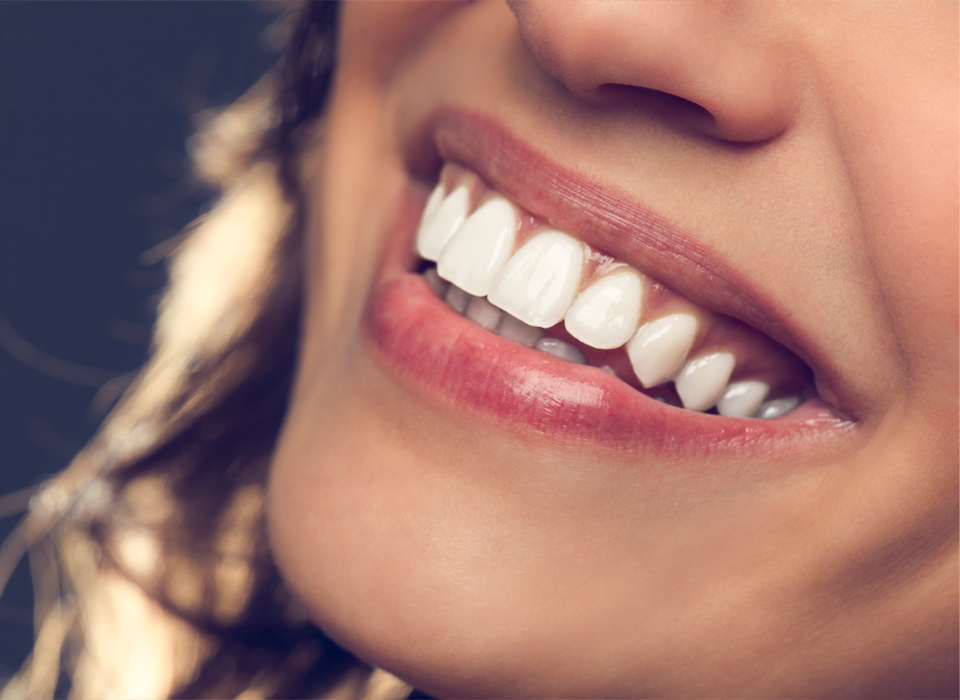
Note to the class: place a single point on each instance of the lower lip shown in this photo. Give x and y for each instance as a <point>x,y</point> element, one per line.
<point>443,357</point>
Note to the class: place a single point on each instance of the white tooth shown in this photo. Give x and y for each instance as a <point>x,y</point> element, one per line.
<point>438,285</point>
<point>433,201</point>
<point>660,348</point>
<point>777,407</point>
<point>540,281</point>
<point>478,251</point>
<point>742,399</point>
<point>560,349</point>
<point>457,299</point>
<point>438,226</point>
<point>606,313</point>
<point>519,332</point>
<point>703,380</point>
<point>483,313</point>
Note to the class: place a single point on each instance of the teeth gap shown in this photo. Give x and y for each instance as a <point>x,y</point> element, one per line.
<point>556,342</point>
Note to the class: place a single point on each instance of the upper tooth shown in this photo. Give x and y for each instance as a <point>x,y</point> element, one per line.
<point>540,281</point>
<point>703,380</point>
<point>441,220</point>
<point>606,313</point>
<point>477,252</point>
<point>660,348</point>
<point>742,399</point>
<point>433,201</point>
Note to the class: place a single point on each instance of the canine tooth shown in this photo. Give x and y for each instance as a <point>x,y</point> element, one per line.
<point>438,285</point>
<point>519,332</point>
<point>433,201</point>
<point>540,281</point>
<point>436,227</point>
<point>742,399</point>
<point>483,313</point>
<point>606,313</point>
<point>778,407</point>
<point>702,381</point>
<point>560,349</point>
<point>660,348</point>
<point>457,299</point>
<point>478,251</point>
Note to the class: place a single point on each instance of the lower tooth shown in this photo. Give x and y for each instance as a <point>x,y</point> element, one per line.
<point>560,349</point>
<point>519,332</point>
<point>483,313</point>
<point>742,399</point>
<point>439,286</point>
<point>778,407</point>
<point>457,299</point>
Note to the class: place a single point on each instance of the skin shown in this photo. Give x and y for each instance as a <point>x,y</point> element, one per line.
<point>814,148</point>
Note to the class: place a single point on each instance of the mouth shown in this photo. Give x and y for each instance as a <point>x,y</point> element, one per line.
<point>505,307</point>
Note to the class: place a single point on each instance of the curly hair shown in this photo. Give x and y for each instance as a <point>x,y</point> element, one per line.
<point>150,555</point>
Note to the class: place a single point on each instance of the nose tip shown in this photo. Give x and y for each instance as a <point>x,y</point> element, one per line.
<point>713,67</point>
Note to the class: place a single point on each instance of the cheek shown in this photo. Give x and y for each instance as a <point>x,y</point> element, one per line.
<point>896,108</point>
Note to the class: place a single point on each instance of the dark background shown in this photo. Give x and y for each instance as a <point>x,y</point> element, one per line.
<point>95,105</point>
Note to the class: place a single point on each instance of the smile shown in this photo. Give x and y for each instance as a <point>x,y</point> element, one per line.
<point>514,275</point>
<point>508,313</point>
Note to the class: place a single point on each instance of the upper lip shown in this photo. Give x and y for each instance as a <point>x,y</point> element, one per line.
<point>615,222</point>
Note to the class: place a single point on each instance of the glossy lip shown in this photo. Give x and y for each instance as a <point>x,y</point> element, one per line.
<point>444,357</point>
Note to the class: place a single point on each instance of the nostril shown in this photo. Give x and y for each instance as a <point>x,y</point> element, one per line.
<point>673,110</point>
<point>713,68</point>
<point>716,121</point>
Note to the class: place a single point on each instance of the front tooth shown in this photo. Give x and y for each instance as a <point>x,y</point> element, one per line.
<point>742,399</point>
<point>660,348</point>
<point>433,201</point>
<point>778,407</point>
<point>483,313</point>
<point>437,226</point>
<point>703,380</point>
<point>477,252</point>
<point>558,348</point>
<point>538,284</point>
<point>519,332</point>
<point>606,313</point>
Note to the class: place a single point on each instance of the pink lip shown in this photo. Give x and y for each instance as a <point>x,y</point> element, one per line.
<point>435,351</point>
<point>447,358</point>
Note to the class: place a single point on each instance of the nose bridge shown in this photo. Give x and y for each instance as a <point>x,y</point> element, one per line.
<point>720,56</point>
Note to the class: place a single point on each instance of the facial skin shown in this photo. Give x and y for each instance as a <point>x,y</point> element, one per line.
<point>811,149</point>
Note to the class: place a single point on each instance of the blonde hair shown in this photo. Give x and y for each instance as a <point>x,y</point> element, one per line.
<point>149,554</point>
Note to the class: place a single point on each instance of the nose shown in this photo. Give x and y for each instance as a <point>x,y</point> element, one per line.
<point>713,66</point>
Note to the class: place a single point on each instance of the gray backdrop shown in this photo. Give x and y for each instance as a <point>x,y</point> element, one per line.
<point>95,99</point>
